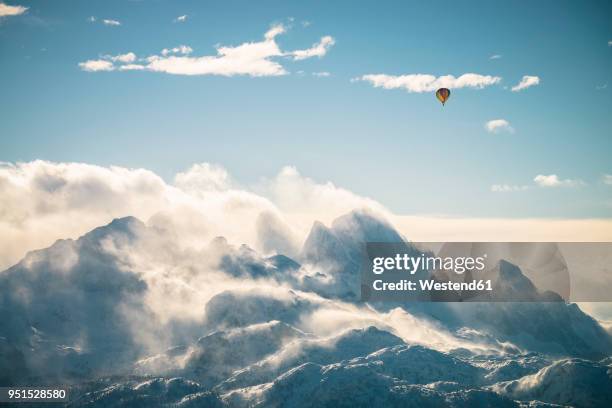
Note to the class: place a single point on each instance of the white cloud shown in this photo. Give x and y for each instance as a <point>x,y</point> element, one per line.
<point>607,179</point>
<point>106,63</point>
<point>181,19</point>
<point>547,181</point>
<point>553,180</point>
<point>292,192</point>
<point>204,177</point>
<point>317,50</point>
<point>321,74</point>
<point>610,43</point>
<point>251,59</point>
<point>506,188</point>
<point>429,83</point>
<point>526,82</point>
<point>275,31</point>
<point>96,65</point>
<point>181,49</point>
<point>541,180</point>
<point>131,67</point>
<point>44,201</point>
<point>105,21</point>
<point>125,58</point>
<point>498,125</point>
<point>495,56</point>
<point>7,11</point>
<point>110,22</point>
<point>254,59</point>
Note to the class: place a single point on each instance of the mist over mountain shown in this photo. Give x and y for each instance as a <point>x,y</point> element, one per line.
<point>129,316</point>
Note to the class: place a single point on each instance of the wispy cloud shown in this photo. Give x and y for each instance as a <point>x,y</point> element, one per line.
<point>125,58</point>
<point>107,63</point>
<point>429,83</point>
<point>110,22</point>
<point>607,179</point>
<point>544,181</point>
<point>7,11</point>
<point>553,180</point>
<point>321,74</point>
<point>317,50</point>
<point>105,21</point>
<point>181,49</point>
<point>251,58</point>
<point>96,65</point>
<point>526,82</point>
<point>506,188</point>
<point>131,67</point>
<point>610,43</point>
<point>498,125</point>
<point>601,87</point>
<point>495,56</point>
<point>181,19</point>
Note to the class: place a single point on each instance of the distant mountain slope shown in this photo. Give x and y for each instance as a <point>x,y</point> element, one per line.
<point>348,345</point>
<point>60,307</point>
<point>556,327</point>
<point>361,384</point>
<point>272,331</point>
<point>574,382</point>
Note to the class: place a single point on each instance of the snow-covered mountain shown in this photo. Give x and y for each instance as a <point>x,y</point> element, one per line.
<point>569,382</point>
<point>61,308</point>
<point>335,254</point>
<point>129,317</point>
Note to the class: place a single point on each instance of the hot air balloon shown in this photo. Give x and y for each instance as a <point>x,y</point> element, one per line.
<point>443,94</point>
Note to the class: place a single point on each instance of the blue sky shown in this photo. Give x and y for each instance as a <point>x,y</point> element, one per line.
<point>401,148</point>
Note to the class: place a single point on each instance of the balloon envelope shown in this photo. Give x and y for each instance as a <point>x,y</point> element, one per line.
<point>443,94</point>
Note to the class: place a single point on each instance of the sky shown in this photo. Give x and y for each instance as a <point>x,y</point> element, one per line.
<point>343,91</point>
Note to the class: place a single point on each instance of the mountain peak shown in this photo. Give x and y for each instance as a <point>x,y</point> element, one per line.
<point>366,226</point>
<point>128,226</point>
<point>511,283</point>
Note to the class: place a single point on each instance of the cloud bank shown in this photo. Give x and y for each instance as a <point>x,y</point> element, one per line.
<point>41,202</point>
<point>44,201</point>
<point>256,59</point>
